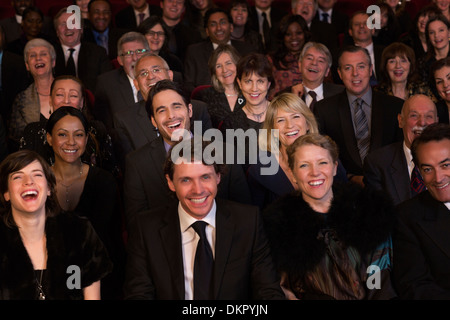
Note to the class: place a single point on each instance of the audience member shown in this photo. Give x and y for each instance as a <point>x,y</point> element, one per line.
<point>315,63</point>
<point>81,59</point>
<point>224,96</point>
<point>89,191</point>
<point>292,35</point>
<point>390,168</point>
<point>444,7</point>
<point>144,183</point>
<point>195,13</point>
<point>115,90</point>
<point>242,25</point>
<point>33,104</point>
<point>389,30</point>
<point>328,13</point>
<point>358,119</point>
<point>421,262</point>
<point>130,17</point>
<point>402,14</point>
<point>100,29</point>
<point>218,25</point>
<point>46,243</point>
<point>327,239</point>
<point>133,125</point>
<point>156,33</point>
<point>440,72</point>
<point>199,215</point>
<point>398,74</point>
<point>265,19</point>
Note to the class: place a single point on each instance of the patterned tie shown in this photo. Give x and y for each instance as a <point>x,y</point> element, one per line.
<point>362,129</point>
<point>325,17</point>
<point>203,264</point>
<point>417,184</point>
<point>103,41</point>
<point>141,18</point>
<point>266,31</point>
<point>70,65</point>
<point>313,95</point>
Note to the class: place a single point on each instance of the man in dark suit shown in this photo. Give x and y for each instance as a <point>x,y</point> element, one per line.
<point>218,25</point>
<point>390,167</point>
<point>115,90</point>
<point>144,183</point>
<point>315,62</point>
<point>99,30</point>
<point>133,126</point>
<point>12,25</point>
<point>89,60</point>
<point>327,13</point>
<point>273,15</point>
<point>359,119</point>
<point>165,244</point>
<point>136,12</point>
<point>422,234</point>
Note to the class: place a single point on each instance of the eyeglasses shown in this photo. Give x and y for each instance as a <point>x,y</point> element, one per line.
<point>145,73</point>
<point>137,52</point>
<point>157,33</point>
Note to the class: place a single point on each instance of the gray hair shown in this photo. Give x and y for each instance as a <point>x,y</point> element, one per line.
<point>319,47</point>
<point>130,37</point>
<point>39,42</point>
<point>151,54</point>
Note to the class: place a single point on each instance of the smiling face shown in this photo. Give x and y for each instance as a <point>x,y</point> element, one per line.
<point>28,190</point>
<point>438,34</point>
<point>358,29</point>
<point>32,24</point>
<point>418,112</point>
<point>239,14</point>
<point>172,9</point>
<point>195,185</point>
<point>100,15</point>
<point>314,67</point>
<point>355,71</point>
<point>170,113</point>
<point>442,80</point>
<point>291,125</point>
<point>314,171</point>
<point>294,39</point>
<point>434,165</point>
<point>155,38</point>
<point>398,69</point>
<point>422,23</point>
<point>68,37</point>
<point>219,28</point>
<point>225,69</point>
<point>254,88</point>
<point>443,5</point>
<point>150,70</point>
<point>305,8</point>
<point>39,61</point>
<point>128,62</point>
<point>66,92</point>
<point>68,139</point>
<point>20,5</point>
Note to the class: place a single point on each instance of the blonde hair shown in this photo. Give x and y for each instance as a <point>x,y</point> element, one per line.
<point>288,102</point>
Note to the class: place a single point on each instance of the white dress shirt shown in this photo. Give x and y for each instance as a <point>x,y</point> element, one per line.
<point>318,91</point>
<point>75,54</point>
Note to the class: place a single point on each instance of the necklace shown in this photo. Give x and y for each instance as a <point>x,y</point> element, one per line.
<point>257,116</point>
<point>68,186</point>
<point>39,286</point>
<point>231,94</point>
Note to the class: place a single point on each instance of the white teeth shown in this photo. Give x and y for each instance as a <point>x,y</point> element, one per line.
<point>313,70</point>
<point>198,200</point>
<point>316,183</point>
<point>444,186</point>
<point>39,65</point>
<point>29,193</point>
<point>174,125</point>
<point>69,151</point>
<point>292,133</point>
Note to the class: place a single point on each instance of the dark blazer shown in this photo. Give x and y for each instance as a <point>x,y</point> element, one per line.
<point>386,169</point>
<point>335,120</point>
<point>145,185</point>
<point>329,89</point>
<point>92,61</point>
<point>339,21</point>
<point>276,14</point>
<point>114,35</point>
<point>442,112</point>
<point>196,70</point>
<point>126,19</point>
<point>422,249</point>
<point>13,30</point>
<point>113,94</point>
<point>243,267</point>
<point>134,128</point>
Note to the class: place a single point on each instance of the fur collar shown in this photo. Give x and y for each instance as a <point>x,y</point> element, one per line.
<point>361,218</point>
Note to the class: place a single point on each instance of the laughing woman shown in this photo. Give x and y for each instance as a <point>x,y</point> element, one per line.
<point>327,238</point>
<point>45,243</point>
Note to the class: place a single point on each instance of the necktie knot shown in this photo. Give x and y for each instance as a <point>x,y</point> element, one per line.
<point>313,94</point>
<point>70,64</point>
<point>71,50</point>
<point>325,17</point>
<point>199,227</point>
<point>358,104</point>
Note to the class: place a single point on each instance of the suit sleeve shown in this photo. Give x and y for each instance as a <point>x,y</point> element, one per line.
<point>372,174</point>
<point>412,275</point>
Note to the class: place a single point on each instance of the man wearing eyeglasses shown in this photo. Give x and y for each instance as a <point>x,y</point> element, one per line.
<point>133,126</point>
<point>115,89</point>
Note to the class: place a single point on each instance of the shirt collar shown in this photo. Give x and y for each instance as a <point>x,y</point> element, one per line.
<point>187,220</point>
<point>366,97</point>
<point>318,90</point>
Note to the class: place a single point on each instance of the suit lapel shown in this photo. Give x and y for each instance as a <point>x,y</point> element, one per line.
<point>224,237</point>
<point>399,170</point>
<point>158,156</point>
<point>435,223</point>
<point>347,128</point>
<point>171,240</point>
<point>144,122</point>
<point>125,87</point>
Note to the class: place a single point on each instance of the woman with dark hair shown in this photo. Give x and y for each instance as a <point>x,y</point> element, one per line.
<point>399,76</point>
<point>239,11</point>
<point>402,15</point>
<point>329,240</point>
<point>389,31</point>
<point>441,81</point>
<point>87,190</point>
<point>195,13</point>
<point>47,244</point>
<point>437,33</point>
<point>157,35</point>
<point>293,33</point>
